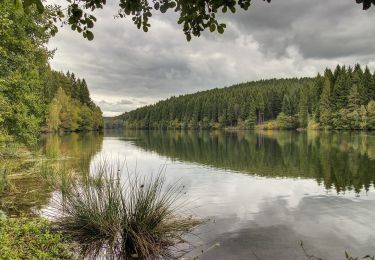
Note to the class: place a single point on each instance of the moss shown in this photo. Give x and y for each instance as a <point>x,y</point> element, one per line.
<point>24,238</point>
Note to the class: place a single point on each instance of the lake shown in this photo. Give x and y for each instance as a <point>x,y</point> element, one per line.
<point>263,192</point>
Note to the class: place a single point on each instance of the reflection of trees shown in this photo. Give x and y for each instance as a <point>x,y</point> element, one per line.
<point>27,189</point>
<point>77,148</point>
<point>343,160</point>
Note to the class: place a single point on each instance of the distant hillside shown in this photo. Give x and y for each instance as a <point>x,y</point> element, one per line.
<point>113,122</point>
<point>342,99</point>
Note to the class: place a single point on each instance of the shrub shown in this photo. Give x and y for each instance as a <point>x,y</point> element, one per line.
<point>136,217</point>
<point>285,122</point>
<point>313,125</point>
<point>31,239</point>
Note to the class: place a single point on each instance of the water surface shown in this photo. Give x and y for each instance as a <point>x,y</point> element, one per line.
<point>263,192</point>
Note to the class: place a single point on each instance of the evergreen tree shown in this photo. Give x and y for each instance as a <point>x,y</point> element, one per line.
<point>354,99</point>
<point>341,90</point>
<point>84,95</point>
<point>303,110</point>
<point>325,100</point>
<point>366,87</point>
<point>286,107</point>
<point>334,101</point>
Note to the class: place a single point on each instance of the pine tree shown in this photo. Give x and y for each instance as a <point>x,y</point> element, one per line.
<point>372,88</point>
<point>84,94</point>
<point>325,101</point>
<point>341,90</point>
<point>366,86</point>
<point>354,100</point>
<point>316,92</point>
<point>286,107</point>
<point>251,118</point>
<point>303,110</point>
<point>336,73</point>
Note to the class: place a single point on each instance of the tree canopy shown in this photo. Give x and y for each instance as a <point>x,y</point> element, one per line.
<point>195,16</point>
<point>33,97</point>
<point>342,99</point>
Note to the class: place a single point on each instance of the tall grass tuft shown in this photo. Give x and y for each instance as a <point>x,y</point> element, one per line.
<point>119,218</point>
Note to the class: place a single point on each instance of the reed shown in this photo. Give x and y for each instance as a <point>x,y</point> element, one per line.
<point>134,217</point>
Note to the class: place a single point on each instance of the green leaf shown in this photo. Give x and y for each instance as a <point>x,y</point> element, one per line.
<point>163,8</point>
<point>39,6</point>
<point>17,3</point>
<point>212,27</point>
<point>220,29</point>
<point>90,23</point>
<point>90,35</point>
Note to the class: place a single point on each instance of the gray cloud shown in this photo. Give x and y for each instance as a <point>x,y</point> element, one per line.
<point>319,29</point>
<point>114,108</point>
<point>286,38</point>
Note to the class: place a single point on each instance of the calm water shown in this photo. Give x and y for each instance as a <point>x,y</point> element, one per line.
<point>263,192</point>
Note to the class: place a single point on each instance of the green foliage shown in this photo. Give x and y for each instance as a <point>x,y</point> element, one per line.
<point>340,88</point>
<point>303,110</point>
<point>287,106</point>
<point>71,108</point>
<point>285,122</point>
<point>371,115</point>
<point>366,3</point>
<point>241,106</point>
<point>113,122</point>
<point>194,16</point>
<point>332,102</point>
<point>31,239</point>
<point>23,60</point>
<point>325,106</point>
<point>28,86</point>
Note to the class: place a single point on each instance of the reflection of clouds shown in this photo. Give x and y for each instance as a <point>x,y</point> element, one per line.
<point>267,215</point>
<point>328,225</point>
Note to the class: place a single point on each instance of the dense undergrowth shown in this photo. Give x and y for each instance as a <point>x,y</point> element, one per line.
<point>31,238</point>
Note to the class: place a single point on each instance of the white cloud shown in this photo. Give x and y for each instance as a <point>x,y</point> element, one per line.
<point>283,39</point>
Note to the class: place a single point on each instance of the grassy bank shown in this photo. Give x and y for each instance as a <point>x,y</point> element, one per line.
<point>31,238</point>
<point>23,186</point>
<point>97,214</point>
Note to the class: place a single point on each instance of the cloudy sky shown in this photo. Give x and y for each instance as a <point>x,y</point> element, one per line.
<point>126,68</point>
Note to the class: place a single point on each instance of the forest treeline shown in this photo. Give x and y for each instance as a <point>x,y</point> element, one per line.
<point>33,97</point>
<point>339,99</point>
